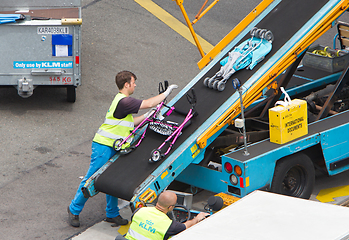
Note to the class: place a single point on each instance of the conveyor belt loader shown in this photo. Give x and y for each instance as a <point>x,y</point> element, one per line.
<point>295,25</point>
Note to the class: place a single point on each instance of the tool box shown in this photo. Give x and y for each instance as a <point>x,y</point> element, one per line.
<point>42,47</point>
<point>328,60</point>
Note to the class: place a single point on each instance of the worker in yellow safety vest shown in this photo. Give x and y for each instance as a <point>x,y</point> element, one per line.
<point>152,223</point>
<point>117,124</point>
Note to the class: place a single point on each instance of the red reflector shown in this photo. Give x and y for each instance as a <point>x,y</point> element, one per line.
<point>77,60</point>
<point>241,182</point>
<point>228,167</point>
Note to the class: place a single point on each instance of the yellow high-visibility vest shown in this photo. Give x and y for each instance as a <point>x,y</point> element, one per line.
<point>148,223</point>
<point>114,128</point>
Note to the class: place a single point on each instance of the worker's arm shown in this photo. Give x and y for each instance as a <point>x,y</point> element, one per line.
<point>201,216</point>
<point>137,120</point>
<point>149,103</point>
<point>152,102</point>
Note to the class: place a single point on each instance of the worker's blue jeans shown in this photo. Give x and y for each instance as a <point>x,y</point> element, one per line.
<point>100,155</point>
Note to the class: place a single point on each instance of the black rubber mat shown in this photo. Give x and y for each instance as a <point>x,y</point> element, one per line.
<point>129,171</point>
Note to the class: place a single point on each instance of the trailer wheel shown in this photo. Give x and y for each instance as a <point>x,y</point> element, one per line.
<point>71,94</point>
<point>294,176</point>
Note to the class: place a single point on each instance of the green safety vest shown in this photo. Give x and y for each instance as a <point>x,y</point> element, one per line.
<point>148,223</point>
<point>114,128</point>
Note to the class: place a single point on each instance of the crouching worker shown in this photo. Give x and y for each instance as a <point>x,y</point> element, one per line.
<point>158,225</point>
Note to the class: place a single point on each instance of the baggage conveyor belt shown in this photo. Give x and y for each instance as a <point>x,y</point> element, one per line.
<point>128,172</point>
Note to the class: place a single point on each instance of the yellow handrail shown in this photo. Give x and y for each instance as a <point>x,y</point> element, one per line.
<point>191,29</point>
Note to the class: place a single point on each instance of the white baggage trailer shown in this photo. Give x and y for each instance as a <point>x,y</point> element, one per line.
<point>42,47</point>
<point>264,215</point>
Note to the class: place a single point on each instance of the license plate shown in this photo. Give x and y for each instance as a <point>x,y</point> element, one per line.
<point>53,30</point>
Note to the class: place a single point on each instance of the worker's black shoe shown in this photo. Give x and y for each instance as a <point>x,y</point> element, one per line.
<point>73,219</point>
<point>117,220</point>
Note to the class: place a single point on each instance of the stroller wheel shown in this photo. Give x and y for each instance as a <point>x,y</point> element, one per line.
<point>126,151</point>
<point>206,81</point>
<point>221,86</point>
<point>252,31</point>
<point>155,155</point>
<point>256,33</point>
<point>262,33</point>
<point>269,36</point>
<point>116,144</point>
<point>215,84</point>
<point>210,82</point>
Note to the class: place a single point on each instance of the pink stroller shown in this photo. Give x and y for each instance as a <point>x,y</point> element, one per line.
<point>159,124</point>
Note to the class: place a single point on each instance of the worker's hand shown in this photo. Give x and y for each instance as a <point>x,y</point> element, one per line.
<point>169,89</point>
<point>201,216</point>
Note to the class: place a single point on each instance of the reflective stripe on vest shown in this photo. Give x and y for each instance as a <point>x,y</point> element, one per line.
<point>150,223</point>
<point>112,136</point>
<point>136,236</point>
<point>118,122</point>
<point>114,128</point>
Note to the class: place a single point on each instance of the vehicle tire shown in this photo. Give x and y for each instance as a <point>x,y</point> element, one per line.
<point>155,155</point>
<point>294,176</point>
<point>116,144</point>
<point>71,94</point>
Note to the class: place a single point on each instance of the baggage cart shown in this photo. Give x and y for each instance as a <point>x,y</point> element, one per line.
<point>42,47</point>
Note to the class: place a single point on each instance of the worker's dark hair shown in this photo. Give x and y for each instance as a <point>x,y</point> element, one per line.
<point>124,77</point>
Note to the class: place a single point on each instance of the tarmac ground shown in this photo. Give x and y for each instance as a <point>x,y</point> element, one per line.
<point>46,141</point>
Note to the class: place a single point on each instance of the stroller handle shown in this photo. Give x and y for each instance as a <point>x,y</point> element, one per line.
<point>191,98</point>
<point>162,88</point>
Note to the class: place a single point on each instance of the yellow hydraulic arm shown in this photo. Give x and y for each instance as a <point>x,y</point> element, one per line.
<point>199,15</point>
<point>255,91</point>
